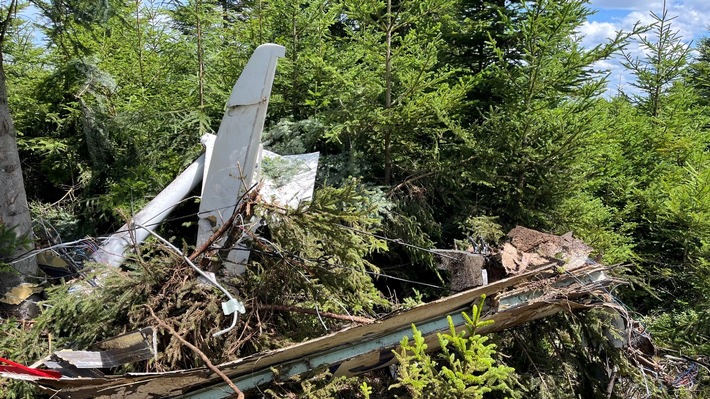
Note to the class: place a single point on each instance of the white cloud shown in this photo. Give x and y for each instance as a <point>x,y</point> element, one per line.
<point>691,18</point>
<point>595,32</point>
<point>624,4</point>
<point>700,5</point>
<point>606,65</point>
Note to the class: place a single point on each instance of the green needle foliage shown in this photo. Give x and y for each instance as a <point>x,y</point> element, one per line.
<point>529,147</point>
<point>465,368</point>
<point>318,254</point>
<point>457,118</point>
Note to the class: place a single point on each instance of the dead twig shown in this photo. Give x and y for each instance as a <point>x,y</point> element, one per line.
<point>290,308</point>
<point>610,387</point>
<point>161,323</point>
<point>245,201</point>
<point>408,181</point>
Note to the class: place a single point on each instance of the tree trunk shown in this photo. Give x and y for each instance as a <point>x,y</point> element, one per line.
<point>14,212</point>
<point>139,34</point>
<point>388,93</point>
<point>200,57</point>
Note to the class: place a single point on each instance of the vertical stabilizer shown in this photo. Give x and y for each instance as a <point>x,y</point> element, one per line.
<point>236,148</point>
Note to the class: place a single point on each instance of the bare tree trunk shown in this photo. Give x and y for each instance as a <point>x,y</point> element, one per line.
<point>139,33</point>
<point>295,103</point>
<point>388,93</point>
<point>14,212</point>
<point>200,56</point>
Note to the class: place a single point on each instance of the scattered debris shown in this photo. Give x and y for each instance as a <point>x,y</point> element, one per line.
<point>466,269</point>
<point>359,349</point>
<point>532,276</point>
<point>531,249</point>
<point>127,348</point>
<point>288,179</point>
<point>19,293</point>
<point>20,372</point>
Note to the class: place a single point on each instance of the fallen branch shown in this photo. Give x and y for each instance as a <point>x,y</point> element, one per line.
<point>610,387</point>
<point>248,197</point>
<point>203,274</point>
<point>161,323</point>
<point>290,308</point>
<point>409,180</point>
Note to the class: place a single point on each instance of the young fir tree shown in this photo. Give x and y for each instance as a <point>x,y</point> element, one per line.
<point>666,56</point>
<point>660,166</point>
<point>392,100</point>
<point>305,73</point>
<point>464,368</point>
<point>699,71</point>
<point>528,149</point>
<point>475,24</point>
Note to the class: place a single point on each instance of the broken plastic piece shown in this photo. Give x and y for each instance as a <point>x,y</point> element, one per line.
<point>19,293</point>
<point>232,306</point>
<point>18,369</point>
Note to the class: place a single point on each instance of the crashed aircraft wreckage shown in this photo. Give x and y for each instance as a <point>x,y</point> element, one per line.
<point>535,290</point>
<point>533,276</point>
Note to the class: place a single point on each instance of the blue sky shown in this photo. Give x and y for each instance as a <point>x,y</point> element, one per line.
<point>692,20</point>
<point>692,16</point>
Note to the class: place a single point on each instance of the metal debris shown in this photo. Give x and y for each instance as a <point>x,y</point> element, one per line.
<point>363,348</point>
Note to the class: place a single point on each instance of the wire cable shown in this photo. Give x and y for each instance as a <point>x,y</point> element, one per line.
<point>203,274</point>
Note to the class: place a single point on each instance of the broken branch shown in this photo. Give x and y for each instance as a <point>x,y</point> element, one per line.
<point>290,308</point>
<point>166,326</point>
<point>249,196</point>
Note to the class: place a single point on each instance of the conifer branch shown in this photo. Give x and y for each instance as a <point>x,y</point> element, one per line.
<point>5,23</point>
<point>208,362</point>
<point>244,204</point>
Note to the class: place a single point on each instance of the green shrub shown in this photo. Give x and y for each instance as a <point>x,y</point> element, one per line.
<point>465,369</point>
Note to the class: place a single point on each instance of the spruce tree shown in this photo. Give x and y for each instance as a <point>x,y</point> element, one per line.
<point>527,149</point>
<point>395,101</point>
